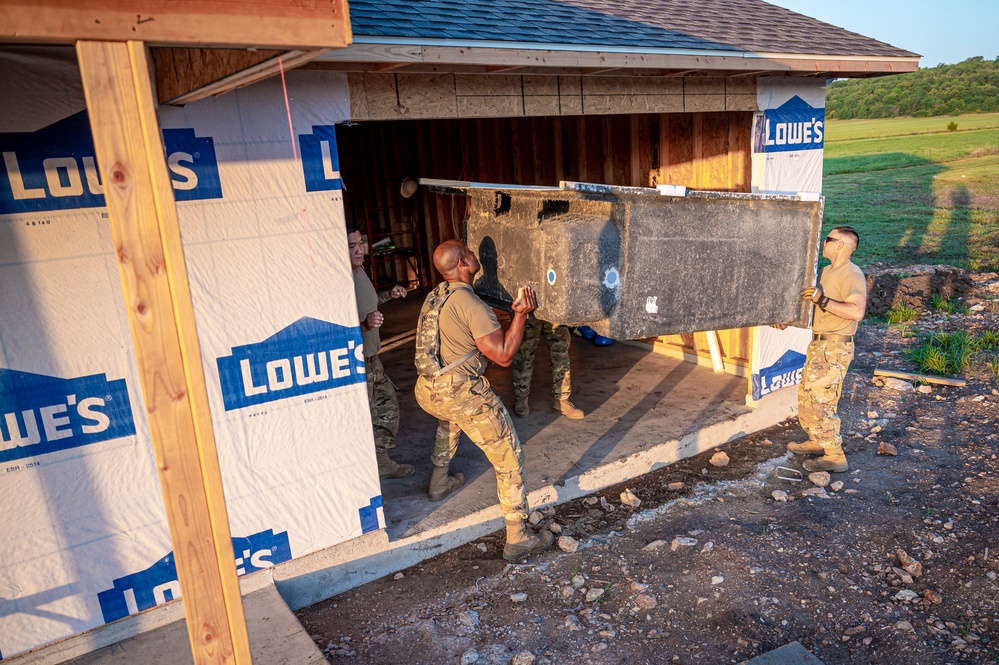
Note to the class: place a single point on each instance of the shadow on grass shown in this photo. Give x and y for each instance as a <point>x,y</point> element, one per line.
<point>890,200</point>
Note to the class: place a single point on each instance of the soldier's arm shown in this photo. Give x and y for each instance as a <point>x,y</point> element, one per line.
<point>500,347</point>
<point>852,308</point>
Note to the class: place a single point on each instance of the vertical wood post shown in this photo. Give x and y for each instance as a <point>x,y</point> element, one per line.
<point>143,216</point>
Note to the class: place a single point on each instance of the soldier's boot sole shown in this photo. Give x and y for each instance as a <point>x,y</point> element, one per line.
<point>517,552</point>
<point>441,484</point>
<point>567,409</point>
<point>831,463</point>
<point>522,408</point>
<point>807,448</point>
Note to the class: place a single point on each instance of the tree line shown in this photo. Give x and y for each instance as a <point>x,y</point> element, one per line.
<point>971,86</point>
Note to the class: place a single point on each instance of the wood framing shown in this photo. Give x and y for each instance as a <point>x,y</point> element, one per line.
<point>275,24</point>
<point>416,58</point>
<point>185,75</point>
<point>144,225</point>
<point>398,96</point>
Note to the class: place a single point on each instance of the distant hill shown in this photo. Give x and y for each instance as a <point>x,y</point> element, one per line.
<point>971,86</point>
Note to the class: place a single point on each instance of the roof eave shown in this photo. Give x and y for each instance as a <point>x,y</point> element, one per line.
<point>422,54</point>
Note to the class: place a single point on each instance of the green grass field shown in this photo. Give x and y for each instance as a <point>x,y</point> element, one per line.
<point>917,192</point>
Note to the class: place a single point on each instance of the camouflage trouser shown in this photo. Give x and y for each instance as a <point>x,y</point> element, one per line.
<point>383,403</point>
<point>826,363</point>
<point>467,404</point>
<point>558,348</point>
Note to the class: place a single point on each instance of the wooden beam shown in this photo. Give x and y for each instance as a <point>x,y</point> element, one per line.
<point>146,234</point>
<point>278,24</point>
<point>185,75</point>
<point>922,378</point>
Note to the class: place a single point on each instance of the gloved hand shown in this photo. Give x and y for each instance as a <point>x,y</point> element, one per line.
<point>813,293</point>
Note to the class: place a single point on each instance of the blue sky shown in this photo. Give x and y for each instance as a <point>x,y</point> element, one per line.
<point>941,31</point>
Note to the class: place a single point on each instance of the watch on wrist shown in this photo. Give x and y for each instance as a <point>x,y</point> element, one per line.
<point>823,302</point>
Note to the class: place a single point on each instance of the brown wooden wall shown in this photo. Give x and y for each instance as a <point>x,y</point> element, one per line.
<point>697,150</point>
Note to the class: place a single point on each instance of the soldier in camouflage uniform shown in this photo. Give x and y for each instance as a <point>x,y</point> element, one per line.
<point>462,335</point>
<point>841,299</point>
<point>381,392</point>
<point>523,368</point>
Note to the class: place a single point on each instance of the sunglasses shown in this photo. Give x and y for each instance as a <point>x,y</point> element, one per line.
<point>831,239</point>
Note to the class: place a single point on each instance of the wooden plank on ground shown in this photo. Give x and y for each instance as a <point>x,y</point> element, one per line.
<point>924,378</point>
<point>143,218</point>
<point>277,24</point>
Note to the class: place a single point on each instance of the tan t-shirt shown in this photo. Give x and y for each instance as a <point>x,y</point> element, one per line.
<point>839,284</point>
<point>367,302</point>
<point>463,318</point>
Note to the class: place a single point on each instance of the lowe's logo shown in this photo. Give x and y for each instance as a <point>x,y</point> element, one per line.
<point>319,159</point>
<point>42,414</point>
<point>55,168</point>
<point>795,125</point>
<point>158,584</point>
<point>306,357</point>
<point>785,372</point>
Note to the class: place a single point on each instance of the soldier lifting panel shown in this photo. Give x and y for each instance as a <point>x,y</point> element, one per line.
<point>632,263</point>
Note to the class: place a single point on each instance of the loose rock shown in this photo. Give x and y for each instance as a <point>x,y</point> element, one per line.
<point>779,495</point>
<point>836,486</point>
<point>682,541</point>
<point>518,597</point>
<point>819,478</point>
<point>568,544</point>
<point>470,657</point>
<point>898,384</point>
<point>906,596</point>
<point>555,528</point>
<point>719,459</point>
<point>817,492</point>
<point>885,448</point>
<point>909,564</point>
<point>717,579</point>
<point>933,596</point>
<point>629,499</point>
<point>535,517</point>
<point>594,594</point>
<point>646,601</point>
<point>675,486</point>
<point>523,658</point>
<point>655,544</point>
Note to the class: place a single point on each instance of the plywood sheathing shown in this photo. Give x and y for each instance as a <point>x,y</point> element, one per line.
<point>397,96</point>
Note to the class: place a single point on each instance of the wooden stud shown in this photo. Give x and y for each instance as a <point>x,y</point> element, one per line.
<point>143,218</point>
<point>277,24</point>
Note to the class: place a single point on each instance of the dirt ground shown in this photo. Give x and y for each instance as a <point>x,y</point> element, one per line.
<point>897,565</point>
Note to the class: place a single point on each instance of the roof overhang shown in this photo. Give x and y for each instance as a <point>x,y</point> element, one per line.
<point>490,57</point>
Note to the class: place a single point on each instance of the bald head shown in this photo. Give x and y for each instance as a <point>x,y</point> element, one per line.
<point>446,257</point>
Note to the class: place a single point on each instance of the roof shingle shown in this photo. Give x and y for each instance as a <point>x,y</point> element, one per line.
<point>714,25</point>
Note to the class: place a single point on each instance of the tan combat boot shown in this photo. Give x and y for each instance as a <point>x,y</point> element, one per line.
<point>389,468</point>
<point>566,408</point>
<point>442,484</point>
<point>809,447</point>
<point>519,545</point>
<point>522,408</point>
<point>834,460</point>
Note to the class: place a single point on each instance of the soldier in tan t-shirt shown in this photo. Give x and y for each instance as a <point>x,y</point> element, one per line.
<point>841,300</point>
<point>462,400</point>
<point>382,400</point>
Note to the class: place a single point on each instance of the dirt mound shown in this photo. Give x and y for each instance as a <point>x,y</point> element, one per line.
<point>914,286</point>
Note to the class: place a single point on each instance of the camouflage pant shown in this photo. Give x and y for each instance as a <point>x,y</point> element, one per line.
<point>826,364</point>
<point>467,404</point>
<point>558,348</point>
<point>383,403</point>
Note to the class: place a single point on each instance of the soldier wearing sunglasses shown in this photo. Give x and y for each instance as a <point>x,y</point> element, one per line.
<point>840,299</point>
